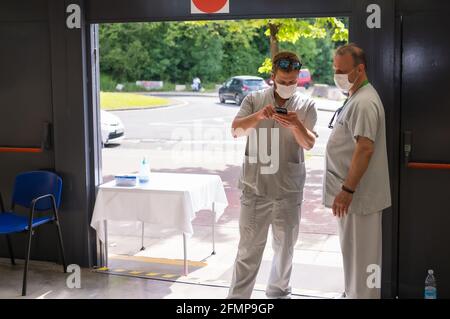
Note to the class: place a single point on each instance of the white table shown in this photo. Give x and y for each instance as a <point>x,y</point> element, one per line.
<point>167,201</point>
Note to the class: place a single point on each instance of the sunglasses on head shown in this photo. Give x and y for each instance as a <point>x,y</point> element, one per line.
<point>285,64</point>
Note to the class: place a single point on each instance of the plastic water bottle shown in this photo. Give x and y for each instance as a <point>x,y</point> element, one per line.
<point>430,286</point>
<point>144,172</point>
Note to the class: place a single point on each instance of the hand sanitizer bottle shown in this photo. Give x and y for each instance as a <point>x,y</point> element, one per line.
<point>430,286</point>
<point>144,172</point>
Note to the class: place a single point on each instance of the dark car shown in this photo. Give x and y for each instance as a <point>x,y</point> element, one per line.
<point>237,88</point>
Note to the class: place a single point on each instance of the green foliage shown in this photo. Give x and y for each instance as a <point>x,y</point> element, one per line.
<point>313,40</point>
<point>266,67</point>
<point>176,52</point>
<point>107,84</point>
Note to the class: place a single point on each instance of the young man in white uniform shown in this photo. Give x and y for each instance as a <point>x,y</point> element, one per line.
<point>272,191</point>
<point>356,184</point>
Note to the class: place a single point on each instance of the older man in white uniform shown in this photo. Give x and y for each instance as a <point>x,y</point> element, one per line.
<point>272,191</point>
<point>356,184</point>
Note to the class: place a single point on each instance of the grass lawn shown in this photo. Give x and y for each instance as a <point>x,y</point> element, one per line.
<point>121,101</point>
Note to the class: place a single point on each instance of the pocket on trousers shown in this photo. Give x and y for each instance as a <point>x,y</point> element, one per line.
<point>247,200</point>
<point>249,173</point>
<point>247,217</point>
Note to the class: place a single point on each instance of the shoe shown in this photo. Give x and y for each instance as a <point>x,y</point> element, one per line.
<point>280,297</point>
<point>342,296</point>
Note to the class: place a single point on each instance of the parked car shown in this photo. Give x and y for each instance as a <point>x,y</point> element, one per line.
<point>112,128</point>
<point>304,78</point>
<point>237,88</point>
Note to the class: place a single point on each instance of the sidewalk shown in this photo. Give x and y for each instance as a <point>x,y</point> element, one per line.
<point>327,105</point>
<point>322,104</point>
<point>180,93</point>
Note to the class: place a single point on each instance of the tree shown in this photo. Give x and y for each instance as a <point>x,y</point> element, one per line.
<point>214,50</point>
<point>292,30</point>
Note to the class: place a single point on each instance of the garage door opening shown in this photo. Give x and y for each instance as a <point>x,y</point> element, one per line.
<point>168,93</point>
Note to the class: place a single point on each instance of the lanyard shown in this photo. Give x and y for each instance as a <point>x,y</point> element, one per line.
<point>339,110</point>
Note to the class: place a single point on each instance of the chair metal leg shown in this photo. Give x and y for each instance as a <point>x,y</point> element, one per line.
<point>11,253</point>
<point>61,246</point>
<point>27,258</point>
<point>58,228</point>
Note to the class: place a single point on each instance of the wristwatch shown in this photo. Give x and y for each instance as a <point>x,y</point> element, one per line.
<point>348,190</point>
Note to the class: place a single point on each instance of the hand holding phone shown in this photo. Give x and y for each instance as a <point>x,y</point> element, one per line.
<point>281,110</point>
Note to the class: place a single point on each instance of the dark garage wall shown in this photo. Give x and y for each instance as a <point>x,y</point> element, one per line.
<point>25,97</point>
<point>41,80</point>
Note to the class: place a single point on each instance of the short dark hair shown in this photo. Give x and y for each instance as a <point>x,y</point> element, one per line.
<point>284,55</point>
<point>358,54</point>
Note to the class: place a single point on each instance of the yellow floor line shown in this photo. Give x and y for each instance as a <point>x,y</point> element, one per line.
<point>152,274</point>
<point>134,272</point>
<point>165,261</point>
<point>119,270</point>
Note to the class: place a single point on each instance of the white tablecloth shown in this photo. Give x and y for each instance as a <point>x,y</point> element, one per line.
<point>168,200</point>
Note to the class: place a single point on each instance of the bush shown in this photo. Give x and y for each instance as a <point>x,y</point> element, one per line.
<point>107,84</point>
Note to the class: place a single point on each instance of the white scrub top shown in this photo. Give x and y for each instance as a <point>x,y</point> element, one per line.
<point>362,115</point>
<point>291,173</point>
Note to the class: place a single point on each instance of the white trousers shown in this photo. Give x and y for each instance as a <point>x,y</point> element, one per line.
<point>257,214</point>
<point>361,238</point>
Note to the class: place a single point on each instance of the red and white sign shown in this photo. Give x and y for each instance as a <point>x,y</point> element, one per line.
<point>210,6</point>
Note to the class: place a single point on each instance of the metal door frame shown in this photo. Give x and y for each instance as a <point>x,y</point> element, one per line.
<point>383,75</point>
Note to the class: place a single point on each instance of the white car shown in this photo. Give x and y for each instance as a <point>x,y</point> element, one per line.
<point>112,128</point>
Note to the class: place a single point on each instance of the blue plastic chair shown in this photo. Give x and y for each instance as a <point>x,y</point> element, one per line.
<point>37,191</point>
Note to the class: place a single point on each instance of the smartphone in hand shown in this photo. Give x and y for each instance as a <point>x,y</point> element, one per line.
<point>281,110</point>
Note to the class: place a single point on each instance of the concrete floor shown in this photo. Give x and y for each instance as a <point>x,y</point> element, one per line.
<point>47,281</point>
<point>317,268</point>
<point>317,265</point>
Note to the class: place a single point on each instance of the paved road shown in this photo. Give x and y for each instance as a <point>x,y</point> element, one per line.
<point>196,120</point>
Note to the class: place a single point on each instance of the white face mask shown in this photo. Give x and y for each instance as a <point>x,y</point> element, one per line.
<point>286,91</point>
<point>342,82</point>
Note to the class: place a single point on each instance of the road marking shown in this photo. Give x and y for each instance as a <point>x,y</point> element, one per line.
<point>172,142</point>
<point>192,125</point>
<point>209,142</point>
<point>222,119</point>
